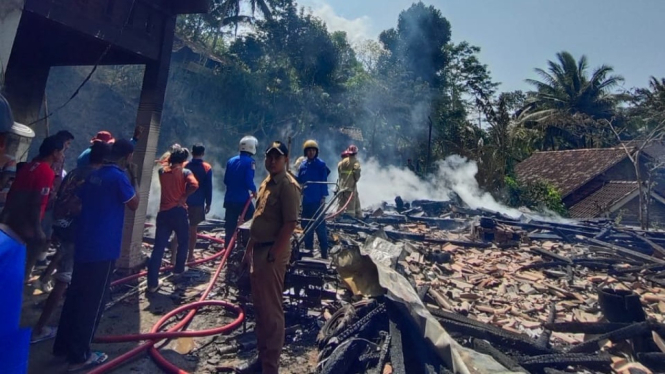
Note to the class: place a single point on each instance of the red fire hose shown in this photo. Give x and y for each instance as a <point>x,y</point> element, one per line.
<point>331,216</point>
<point>174,332</point>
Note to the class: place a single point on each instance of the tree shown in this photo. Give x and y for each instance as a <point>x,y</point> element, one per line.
<point>568,103</point>
<point>417,42</point>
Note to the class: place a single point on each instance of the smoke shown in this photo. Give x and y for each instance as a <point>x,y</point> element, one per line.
<point>455,174</point>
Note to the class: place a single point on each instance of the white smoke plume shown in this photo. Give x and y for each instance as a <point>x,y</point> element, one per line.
<point>454,174</point>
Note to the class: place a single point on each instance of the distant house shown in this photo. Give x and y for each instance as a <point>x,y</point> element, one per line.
<point>599,182</point>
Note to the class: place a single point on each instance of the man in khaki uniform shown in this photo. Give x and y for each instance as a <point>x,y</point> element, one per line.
<point>348,176</point>
<point>268,254</point>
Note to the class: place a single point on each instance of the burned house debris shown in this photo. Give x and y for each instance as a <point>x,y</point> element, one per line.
<point>442,288</point>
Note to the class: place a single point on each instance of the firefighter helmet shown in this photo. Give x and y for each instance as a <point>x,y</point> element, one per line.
<point>353,150</point>
<point>310,144</point>
<point>248,144</point>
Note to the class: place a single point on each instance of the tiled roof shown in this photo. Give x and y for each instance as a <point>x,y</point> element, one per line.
<point>602,200</point>
<point>655,149</point>
<point>568,170</point>
<point>353,133</point>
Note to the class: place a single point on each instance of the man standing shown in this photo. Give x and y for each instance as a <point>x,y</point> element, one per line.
<point>59,170</point>
<point>313,169</point>
<point>198,204</point>
<point>104,196</point>
<point>268,253</point>
<point>177,185</point>
<point>349,175</point>
<point>66,209</point>
<point>28,197</point>
<point>239,181</point>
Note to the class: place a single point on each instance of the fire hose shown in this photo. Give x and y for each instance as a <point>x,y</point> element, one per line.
<point>155,336</point>
<point>320,212</point>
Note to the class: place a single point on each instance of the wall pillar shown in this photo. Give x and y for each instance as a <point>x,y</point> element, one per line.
<point>149,117</point>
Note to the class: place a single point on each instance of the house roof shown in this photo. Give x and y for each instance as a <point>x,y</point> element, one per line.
<point>655,149</point>
<point>568,170</point>
<point>353,133</point>
<point>602,200</point>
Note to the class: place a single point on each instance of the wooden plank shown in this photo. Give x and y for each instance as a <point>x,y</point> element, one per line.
<point>625,251</point>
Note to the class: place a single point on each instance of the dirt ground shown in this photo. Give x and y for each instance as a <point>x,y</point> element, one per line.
<point>138,313</point>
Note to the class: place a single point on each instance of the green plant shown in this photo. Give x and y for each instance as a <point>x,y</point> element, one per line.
<point>538,196</point>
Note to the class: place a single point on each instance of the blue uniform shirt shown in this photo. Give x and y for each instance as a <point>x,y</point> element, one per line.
<point>313,171</point>
<point>84,158</point>
<point>203,173</point>
<point>99,226</point>
<point>239,178</point>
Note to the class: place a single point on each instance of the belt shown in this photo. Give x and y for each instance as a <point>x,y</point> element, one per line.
<point>263,245</point>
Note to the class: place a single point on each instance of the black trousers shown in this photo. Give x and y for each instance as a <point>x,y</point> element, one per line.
<point>233,212</point>
<point>85,302</point>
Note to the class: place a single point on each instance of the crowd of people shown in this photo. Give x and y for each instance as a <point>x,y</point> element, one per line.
<point>81,213</point>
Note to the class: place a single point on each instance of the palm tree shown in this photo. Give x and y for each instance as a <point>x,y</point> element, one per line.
<point>568,103</point>
<point>228,11</point>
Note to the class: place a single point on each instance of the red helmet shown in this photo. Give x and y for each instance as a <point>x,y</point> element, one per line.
<point>352,150</point>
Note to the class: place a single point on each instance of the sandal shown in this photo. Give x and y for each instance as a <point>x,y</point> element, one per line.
<point>48,332</point>
<point>95,359</point>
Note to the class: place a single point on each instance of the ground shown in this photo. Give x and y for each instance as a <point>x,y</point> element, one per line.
<point>198,355</point>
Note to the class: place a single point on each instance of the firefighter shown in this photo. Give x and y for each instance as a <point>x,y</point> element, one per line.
<point>239,181</point>
<point>268,253</point>
<point>348,176</point>
<point>313,169</point>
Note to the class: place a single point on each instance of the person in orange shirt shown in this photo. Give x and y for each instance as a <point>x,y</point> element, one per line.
<point>177,185</point>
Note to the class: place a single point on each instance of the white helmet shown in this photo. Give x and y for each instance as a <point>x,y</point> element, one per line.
<point>248,144</point>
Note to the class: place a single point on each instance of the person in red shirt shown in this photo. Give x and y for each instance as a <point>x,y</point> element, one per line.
<point>177,184</point>
<point>28,197</point>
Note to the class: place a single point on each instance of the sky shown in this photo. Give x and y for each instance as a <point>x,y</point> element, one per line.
<point>516,36</point>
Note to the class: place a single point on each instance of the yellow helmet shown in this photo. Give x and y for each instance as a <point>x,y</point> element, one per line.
<point>310,144</point>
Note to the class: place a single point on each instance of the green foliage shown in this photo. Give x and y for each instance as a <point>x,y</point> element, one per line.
<point>568,104</point>
<point>539,196</point>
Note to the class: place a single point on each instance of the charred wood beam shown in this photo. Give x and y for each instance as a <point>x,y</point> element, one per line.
<point>544,339</point>
<point>383,354</point>
<point>637,269</point>
<point>396,349</point>
<point>392,234</point>
<point>552,255</point>
<point>658,281</point>
<point>625,251</point>
<point>460,243</point>
<point>563,360</point>
<point>483,346</point>
<point>611,261</point>
<point>344,356</point>
<point>653,360</point>
<point>594,328</point>
<point>658,248</point>
<point>458,323</point>
<point>627,332</point>
<point>603,233</point>
<point>524,345</point>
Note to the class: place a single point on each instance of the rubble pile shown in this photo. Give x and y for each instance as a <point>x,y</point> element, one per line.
<point>534,295</point>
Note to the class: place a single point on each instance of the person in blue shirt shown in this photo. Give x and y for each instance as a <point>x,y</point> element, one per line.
<point>239,181</point>
<point>104,195</point>
<point>313,169</point>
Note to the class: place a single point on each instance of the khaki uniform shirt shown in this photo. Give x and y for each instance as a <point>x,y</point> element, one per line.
<point>349,173</point>
<point>278,202</point>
